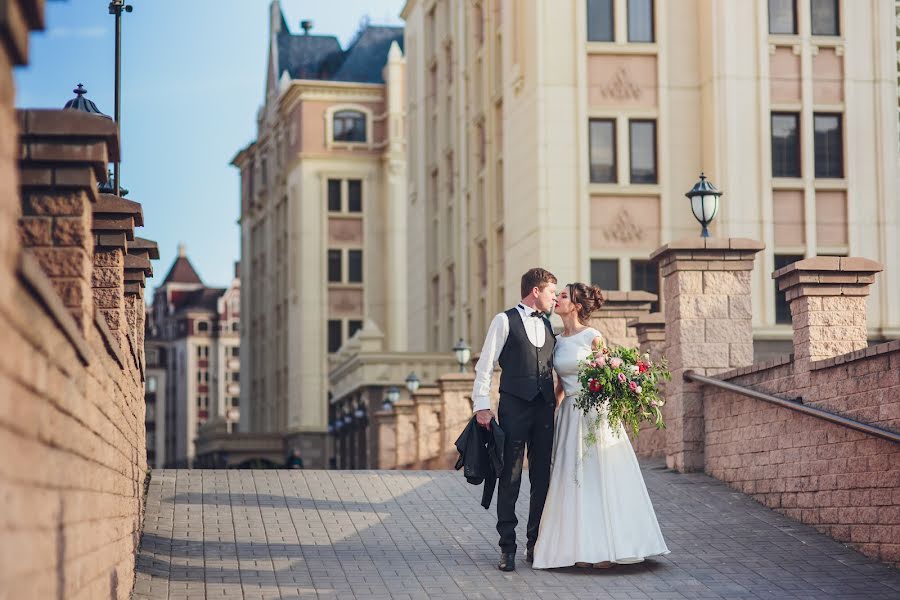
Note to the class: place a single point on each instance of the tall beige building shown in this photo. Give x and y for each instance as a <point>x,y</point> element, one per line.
<point>323,218</point>
<point>565,133</point>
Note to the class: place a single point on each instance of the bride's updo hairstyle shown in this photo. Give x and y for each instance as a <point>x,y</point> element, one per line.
<point>588,297</point>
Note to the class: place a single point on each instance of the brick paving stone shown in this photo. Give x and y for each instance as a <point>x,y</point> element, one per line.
<point>423,534</point>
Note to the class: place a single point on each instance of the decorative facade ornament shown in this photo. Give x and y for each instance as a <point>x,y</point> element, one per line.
<point>623,229</point>
<point>620,87</point>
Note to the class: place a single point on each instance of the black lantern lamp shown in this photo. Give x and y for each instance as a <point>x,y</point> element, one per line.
<point>412,383</point>
<point>390,398</point>
<point>463,353</point>
<point>704,197</point>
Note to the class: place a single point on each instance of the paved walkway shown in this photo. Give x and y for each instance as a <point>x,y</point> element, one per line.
<point>418,534</point>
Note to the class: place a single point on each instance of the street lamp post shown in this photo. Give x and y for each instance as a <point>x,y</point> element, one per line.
<point>116,7</point>
<point>704,197</point>
<point>390,398</point>
<point>463,353</point>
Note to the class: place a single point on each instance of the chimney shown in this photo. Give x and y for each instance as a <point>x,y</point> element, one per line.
<point>306,25</point>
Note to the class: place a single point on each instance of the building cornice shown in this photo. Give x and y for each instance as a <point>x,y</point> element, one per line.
<point>344,91</point>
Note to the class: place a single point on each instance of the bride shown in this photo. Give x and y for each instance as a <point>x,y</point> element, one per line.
<point>597,511</point>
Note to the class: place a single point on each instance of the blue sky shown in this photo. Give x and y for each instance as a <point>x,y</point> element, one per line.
<point>193,76</point>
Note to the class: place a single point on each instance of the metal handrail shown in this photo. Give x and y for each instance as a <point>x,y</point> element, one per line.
<point>885,434</point>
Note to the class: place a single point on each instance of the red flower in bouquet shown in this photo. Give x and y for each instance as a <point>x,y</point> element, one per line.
<point>642,367</point>
<point>594,385</point>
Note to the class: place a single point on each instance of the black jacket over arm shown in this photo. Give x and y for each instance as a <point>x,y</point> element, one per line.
<point>481,456</point>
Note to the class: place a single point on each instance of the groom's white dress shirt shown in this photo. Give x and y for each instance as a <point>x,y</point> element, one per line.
<point>493,345</point>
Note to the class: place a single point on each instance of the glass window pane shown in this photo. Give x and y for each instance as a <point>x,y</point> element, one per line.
<point>354,195</point>
<point>824,16</point>
<point>600,20</point>
<point>785,145</point>
<point>334,195</point>
<point>640,20</point>
<point>334,266</point>
<point>782,16</point>
<point>353,327</point>
<point>605,273</point>
<point>829,147</point>
<point>603,150</point>
<point>334,336</point>
<point>643,151</point>
<point>354,266</point>
<point>645,277</point>
<point>782,307</point>
<point>349,126</point>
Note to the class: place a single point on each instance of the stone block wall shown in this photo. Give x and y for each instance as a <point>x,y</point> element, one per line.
<point>843,482</point>
<point>71,394</point>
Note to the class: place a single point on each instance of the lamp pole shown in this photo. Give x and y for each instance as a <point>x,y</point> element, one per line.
<point>115,8</point>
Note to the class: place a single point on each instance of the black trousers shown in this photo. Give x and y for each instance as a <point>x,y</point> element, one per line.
<point>528,426</point>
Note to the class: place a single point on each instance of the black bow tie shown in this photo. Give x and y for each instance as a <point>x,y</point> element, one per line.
<point>537,314</point>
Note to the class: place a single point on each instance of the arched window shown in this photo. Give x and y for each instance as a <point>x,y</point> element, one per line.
<point>349,126</point>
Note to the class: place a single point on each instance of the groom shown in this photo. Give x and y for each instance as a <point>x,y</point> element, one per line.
<point>521,341</point>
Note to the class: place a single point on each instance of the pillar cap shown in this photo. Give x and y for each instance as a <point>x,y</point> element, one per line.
<point>827,276</point>
<point>700,244</point>
<point>656,320</point>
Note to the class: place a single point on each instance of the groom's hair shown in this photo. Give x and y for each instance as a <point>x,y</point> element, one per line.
<point>536,278</point>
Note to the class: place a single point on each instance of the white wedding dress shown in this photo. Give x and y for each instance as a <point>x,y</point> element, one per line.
<point>597,506</point>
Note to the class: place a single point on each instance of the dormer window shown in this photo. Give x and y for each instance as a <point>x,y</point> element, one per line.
<point>349,126</point>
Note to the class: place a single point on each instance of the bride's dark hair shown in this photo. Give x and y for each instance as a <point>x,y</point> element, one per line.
<point>589,298</point>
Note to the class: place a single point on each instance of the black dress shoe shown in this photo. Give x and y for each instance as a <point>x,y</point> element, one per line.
<point>529,555</point>
<point>507,561</point>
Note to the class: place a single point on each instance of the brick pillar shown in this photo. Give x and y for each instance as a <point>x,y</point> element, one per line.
<point>407,434</point>
<point>62,155</point>
<point>456,405</point>
<point>427,401</point>
<point>385,430</point>
<point>706,292</point>
<point>650,330</point>
<point>619,308</point>
<point>827,295</point>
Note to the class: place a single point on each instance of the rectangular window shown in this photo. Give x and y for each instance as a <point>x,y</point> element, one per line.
<point>600,20</point>
<point>642,138</point>
<point>824,15</point>
<point>334,266</point>
<point>354,195</point>
<point>783,17</point>
<point>353,326</point>
<point>151,384</point>
<point>785,145</point>
<point>235,351</point>
<point>334,195</point>
<point>354,266</point>
<point>603,150</point>
<point>829,145</point>
<point>334,336</point>
<point>782,307</point>
<point>645,277</point>
<point>605,273</point>
<point>640,20</point>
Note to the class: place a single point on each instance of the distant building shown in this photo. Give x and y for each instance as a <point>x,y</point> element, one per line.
<point>193,362</point>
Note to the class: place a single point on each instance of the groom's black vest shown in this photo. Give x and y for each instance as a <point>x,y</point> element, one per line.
<point>527,371</point>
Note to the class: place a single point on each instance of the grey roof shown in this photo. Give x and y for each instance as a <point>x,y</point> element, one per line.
<point>308,56</point>
<point>320,56</point>
<point>366,57</point>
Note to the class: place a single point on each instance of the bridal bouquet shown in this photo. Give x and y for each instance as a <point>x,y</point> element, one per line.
<point>623,384</point>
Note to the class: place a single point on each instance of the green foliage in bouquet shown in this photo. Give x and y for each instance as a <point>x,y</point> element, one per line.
<point>622,384</point>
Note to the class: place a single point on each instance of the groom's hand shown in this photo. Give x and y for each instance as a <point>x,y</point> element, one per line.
<point>483,417</point>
